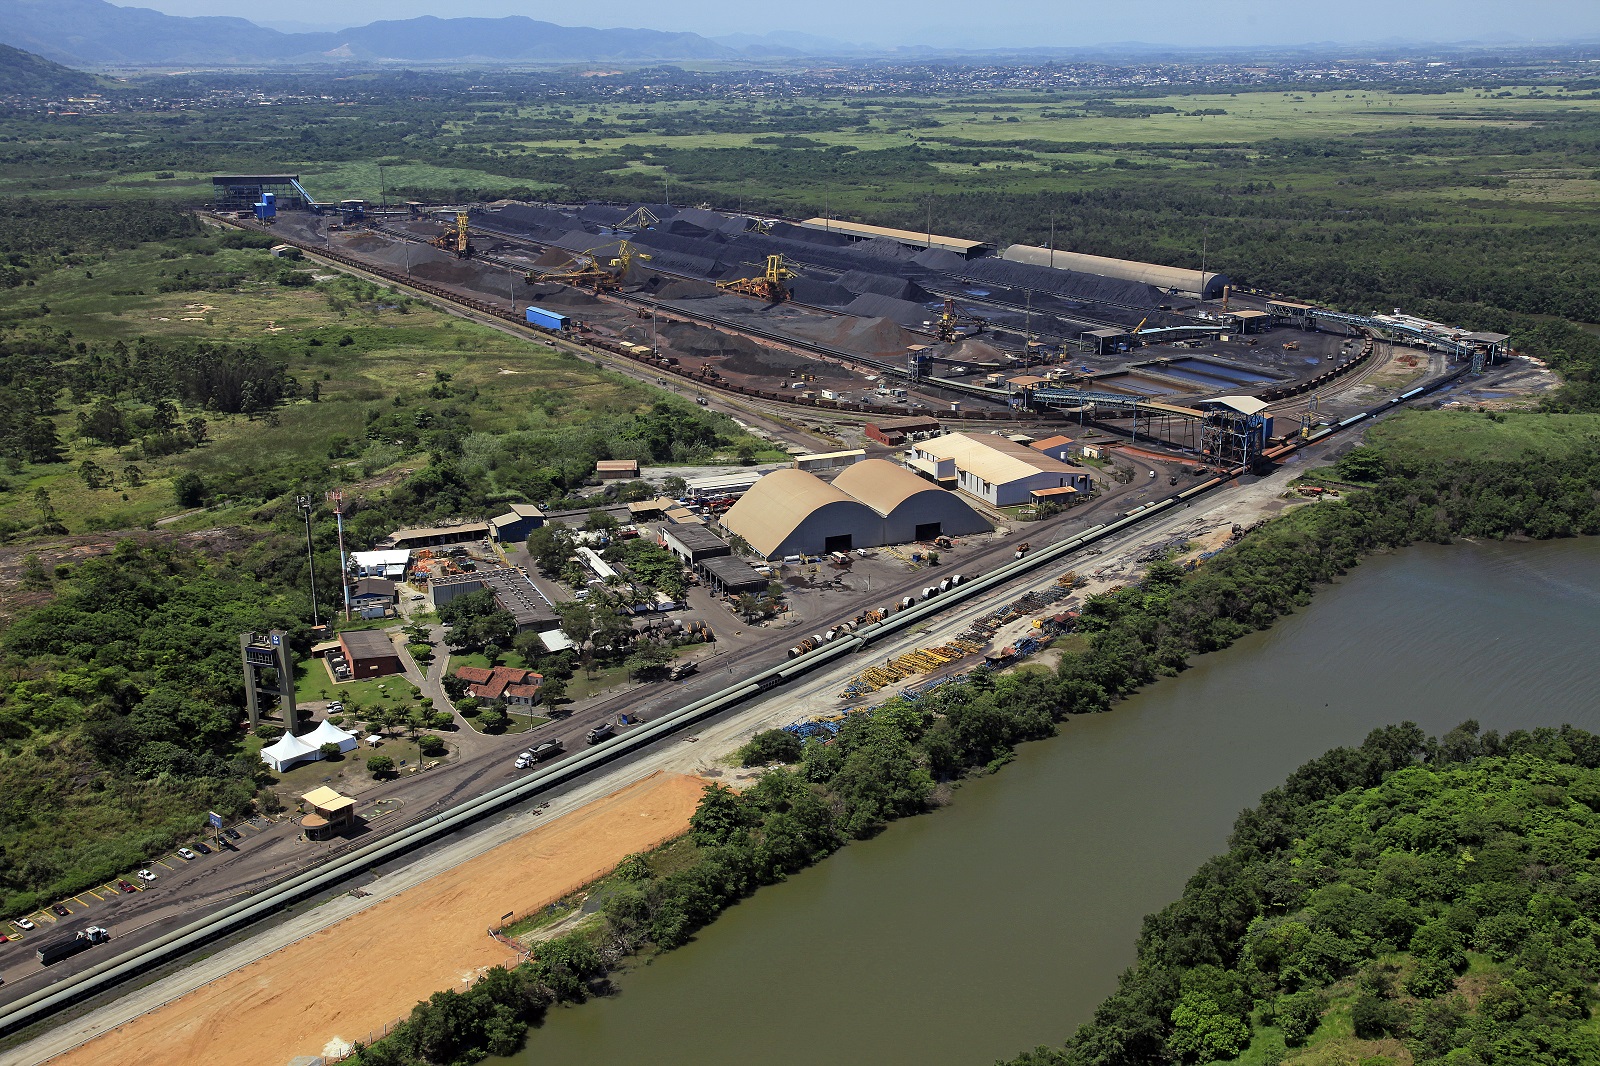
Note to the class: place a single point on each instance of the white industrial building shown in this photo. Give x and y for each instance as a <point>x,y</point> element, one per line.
<point>792,512</point>
<point>995,469</point>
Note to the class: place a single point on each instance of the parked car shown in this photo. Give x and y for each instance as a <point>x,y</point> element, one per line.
<point>23,923</point>
<point>146,875</point>
<point>231,834</point>
<point>4,938</point>
<point>123,884</point>
<point>61,909</point>
<point>186,855</point>
<point>202,848</point>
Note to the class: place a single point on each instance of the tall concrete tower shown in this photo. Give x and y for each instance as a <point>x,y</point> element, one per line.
<point>258,653</point>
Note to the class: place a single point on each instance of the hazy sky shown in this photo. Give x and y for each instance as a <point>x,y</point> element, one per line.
<point>992,23</point>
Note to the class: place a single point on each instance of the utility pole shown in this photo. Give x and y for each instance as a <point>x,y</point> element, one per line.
<point>1052,239</point>
<point>337,499</point>
<point>311,557</point>
<point>383,189</point>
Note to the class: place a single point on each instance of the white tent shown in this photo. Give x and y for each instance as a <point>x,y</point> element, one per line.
<point>289,750</point>
<point>328,733</point>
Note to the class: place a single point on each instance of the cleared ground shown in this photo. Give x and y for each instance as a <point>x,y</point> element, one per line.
<point>348,980</point>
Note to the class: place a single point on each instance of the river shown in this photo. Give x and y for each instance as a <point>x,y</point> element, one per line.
<point>1001,921</point>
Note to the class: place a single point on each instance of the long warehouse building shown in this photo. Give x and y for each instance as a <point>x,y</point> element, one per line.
<point>1201,285</point>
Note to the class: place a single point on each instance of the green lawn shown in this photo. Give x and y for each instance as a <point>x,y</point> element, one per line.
<point>478,659</point>
<point>582,686</point>
<point>312,683</point>
<point>521,722</point>
<point>1510,435</point>
<point>349,771</point>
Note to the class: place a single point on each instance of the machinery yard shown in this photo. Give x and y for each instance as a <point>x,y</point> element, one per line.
<point>857,323</point>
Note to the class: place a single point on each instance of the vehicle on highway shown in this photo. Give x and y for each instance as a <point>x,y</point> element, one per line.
<point>122,883</point>
<point>61,909</point>
<point>146,875</point>
<point>523,761</point>
<point>23,923</point>
<point>185,854</point>
<point>682,670</point>
<point>601,731</point>
<point>66,947</point>
<point>202,847</point>
<point>548,750</point>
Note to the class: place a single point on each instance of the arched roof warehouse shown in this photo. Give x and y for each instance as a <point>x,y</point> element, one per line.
<point>792,512</point>
<point>908,503</point>
<point>1204,285</point>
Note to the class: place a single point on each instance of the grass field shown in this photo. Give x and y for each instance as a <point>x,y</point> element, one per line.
<point>1511,435</point>
<point>361,346</point>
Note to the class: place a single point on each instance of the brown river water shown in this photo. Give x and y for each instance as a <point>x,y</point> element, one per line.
<point>999,922</point>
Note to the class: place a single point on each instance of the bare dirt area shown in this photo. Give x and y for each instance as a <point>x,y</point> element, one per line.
<point>352,978</point>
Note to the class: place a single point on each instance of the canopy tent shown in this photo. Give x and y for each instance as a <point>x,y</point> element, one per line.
<point>328,733</point>
<point>289,750</point>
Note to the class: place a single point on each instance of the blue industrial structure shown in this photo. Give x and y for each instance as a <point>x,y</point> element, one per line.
<point>246,192</point>
<point>267,208</point>
<point>538,316</point>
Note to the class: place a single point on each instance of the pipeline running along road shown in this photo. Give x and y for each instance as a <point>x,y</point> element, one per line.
<point>216,925</point>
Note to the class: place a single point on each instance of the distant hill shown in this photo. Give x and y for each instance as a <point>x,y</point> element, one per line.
<point>97,33</point>
<point>516,38</point>
<point>25,74</point>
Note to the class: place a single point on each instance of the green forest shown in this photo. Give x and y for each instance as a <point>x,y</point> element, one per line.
<point>1410,900</point>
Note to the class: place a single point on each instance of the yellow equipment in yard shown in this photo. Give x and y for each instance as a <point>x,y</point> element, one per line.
<point>458,240</point>
<point>642,218</point>
<point>590,268</point>
<point>626,254</point>
<point>769,286</point>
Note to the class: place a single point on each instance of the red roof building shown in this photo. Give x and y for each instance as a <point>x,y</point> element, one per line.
<point>506,683</point>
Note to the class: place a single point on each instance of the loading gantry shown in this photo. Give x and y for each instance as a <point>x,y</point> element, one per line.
<point>952,320</point>
<point>457,240</point>
<point>768,286</point>
<point>590,268</point>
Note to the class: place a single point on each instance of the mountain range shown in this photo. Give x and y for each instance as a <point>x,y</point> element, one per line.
<point>94,33</point>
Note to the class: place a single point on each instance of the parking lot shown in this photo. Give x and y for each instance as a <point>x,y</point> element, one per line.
<point>98,904</point>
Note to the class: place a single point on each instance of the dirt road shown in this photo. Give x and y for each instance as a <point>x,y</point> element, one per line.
<point>343,982</point>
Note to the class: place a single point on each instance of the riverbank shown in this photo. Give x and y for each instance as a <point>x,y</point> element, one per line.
<point>884,767</point>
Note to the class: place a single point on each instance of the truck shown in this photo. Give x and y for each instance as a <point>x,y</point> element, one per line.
<point>538,316</point>
<point>682,670</point>
<point>67,947</point>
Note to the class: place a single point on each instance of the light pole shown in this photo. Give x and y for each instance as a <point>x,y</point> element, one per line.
<point>311,558</point>
<point>337,499</point>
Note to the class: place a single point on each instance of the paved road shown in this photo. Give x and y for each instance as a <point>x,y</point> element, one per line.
<point>188,890</point>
